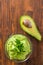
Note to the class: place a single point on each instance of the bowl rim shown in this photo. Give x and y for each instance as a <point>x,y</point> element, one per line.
<point>19,61</point>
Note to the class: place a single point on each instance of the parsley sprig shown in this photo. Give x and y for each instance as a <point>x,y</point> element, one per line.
<point>19,45</point>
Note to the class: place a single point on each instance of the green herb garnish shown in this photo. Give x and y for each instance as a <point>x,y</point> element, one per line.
<point>19,45</point>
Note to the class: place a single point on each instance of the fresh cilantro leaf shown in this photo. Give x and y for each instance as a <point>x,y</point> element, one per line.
<point>17,41</point>
<point>19,45</point>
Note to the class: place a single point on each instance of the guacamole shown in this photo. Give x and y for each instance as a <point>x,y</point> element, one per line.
<point>18,47</point>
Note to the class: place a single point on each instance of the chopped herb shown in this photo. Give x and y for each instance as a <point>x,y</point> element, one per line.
<point>19,45</point>
<point>17,41</point>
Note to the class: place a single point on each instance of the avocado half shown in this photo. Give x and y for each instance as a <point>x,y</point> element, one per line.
<point>31,29</point>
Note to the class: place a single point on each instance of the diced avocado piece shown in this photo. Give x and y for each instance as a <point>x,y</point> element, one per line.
<point>29,26</point>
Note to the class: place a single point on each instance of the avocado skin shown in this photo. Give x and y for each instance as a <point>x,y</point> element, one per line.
<point>31,31</point>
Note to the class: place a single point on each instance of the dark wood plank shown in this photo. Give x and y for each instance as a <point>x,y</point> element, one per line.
<point>10,12</point>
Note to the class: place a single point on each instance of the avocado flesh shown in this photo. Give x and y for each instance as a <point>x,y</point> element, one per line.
<point>13,52</point>
<point>31,31</point>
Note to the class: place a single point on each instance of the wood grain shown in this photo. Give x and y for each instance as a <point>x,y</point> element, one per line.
<point>10,12</point>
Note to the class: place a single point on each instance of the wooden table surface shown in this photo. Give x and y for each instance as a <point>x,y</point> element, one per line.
<point>10,12</point>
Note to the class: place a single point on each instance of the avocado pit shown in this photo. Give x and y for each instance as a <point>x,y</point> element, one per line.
<point>27,23</point>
